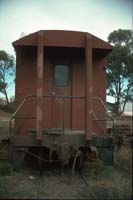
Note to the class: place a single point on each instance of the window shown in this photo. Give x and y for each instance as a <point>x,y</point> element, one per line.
<point>61,75</point>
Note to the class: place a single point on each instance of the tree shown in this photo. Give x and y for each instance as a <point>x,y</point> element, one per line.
<point>7,71</point>
<point>119,68</point>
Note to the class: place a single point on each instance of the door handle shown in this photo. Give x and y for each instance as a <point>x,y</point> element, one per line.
<point>53,93</point>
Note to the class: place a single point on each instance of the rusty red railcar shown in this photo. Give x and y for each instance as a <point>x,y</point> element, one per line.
<point>60,92</point>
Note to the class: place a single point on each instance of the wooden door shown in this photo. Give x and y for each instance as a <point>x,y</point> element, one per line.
<point>61,86</point>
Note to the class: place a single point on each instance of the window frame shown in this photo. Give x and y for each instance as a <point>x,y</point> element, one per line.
<point>68,83</point>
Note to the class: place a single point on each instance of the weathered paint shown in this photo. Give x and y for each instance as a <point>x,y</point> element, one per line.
<point>63,39</point>
<point>26,80</point>
<point>39,92</point>
<point>88,86</point>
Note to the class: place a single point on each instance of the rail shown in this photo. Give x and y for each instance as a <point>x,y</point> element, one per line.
<point>111,118</point>
<point>34,96</point>
<point>59,97</point>
<point>17,109</point>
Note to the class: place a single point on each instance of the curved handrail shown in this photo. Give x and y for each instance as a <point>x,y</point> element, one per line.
<point>102,103</point>
<point>18,108</point>
<point>45,96</point>
<point>58,96</point>
<point>110,116</point>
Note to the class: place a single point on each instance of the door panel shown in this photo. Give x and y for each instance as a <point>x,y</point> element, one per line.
<point>61,86</point>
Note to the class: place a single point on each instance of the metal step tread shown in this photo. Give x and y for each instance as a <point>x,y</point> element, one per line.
<point>48,131</point>
<point>3,155</point>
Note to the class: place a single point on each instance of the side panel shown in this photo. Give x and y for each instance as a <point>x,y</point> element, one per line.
<point>99,89</point>
<point>25,85</point>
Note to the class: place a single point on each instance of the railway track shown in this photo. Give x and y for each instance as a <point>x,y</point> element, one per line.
<point>45,177</point>
<point>39,182</point>
<point>83,178</point>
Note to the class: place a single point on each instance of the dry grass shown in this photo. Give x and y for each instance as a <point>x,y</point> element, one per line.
<point>123,159</point>
<point>112,182</point>
<point>120,188</point>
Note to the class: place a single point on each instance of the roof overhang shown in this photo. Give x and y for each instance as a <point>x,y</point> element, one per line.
<point>61,38</point>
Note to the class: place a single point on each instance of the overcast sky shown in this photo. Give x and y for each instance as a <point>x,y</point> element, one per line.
<point>99,17</point>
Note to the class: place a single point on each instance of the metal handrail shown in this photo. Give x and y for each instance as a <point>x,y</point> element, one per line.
<point>18,108</point>
<point>102,103</point>
<point>62,97</point>
<point>44,96</point>
<point>110,116</point>
<point>95,118</point>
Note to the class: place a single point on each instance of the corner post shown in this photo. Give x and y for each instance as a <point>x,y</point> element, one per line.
<point>39,87</point>
<point>88,87</point>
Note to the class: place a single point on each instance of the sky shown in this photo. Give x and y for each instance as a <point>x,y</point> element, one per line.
<point>98,17</point>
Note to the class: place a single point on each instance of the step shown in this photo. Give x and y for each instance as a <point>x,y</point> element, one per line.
<point>122,127</point>
<point>3,155</point>
<point>56,131</point>
<point>4,144</point>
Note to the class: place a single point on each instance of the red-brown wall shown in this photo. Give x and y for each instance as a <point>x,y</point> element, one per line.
<point>74,109</point>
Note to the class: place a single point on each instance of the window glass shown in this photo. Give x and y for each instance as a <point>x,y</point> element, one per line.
<point>61,75</point>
